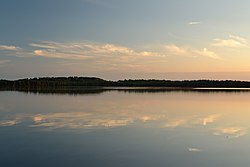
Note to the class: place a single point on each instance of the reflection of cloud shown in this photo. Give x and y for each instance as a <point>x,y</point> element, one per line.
<point>232,132</point>
<point>175,123</point>
<point>91,119</point>
<point>77,120</point>
<point>71,123</point>
<point>191,121</point>
<point>194,150</point>
<point>209,119</point>
<point>8,122</point>
<point>146,118</point>
<point>38,118</point>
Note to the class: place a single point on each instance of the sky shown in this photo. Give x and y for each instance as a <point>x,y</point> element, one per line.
<point>118,39</point>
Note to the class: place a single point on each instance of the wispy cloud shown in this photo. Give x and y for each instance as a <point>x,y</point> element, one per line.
<point>9,47</point>
<point>207,53</point>
<point>42,45</point>
<point>85,50</point>
<point>233,41</point>
<point>190,52</point>
<point>59,55</point>
<point>176,50</point>
<point>194,23</point>
<point>78,51</point>
<point>97,56</point>
<point>11,50</point>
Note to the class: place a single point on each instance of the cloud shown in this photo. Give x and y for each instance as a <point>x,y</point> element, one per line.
<point>47,46</point>
<point>59,55</point>
<point>207,53</point>
<point>194,23</point>
<point>190,52</point>
<point>78,51</point>
<point>11,50</point>
<point>86,50</point>
<point>175,50</point>
<point>39,52</point>
<point>9,47</point>
<point>233,42</point>
<point>97,56</point>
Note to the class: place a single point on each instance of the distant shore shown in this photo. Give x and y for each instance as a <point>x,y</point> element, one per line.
<point>78,83</point>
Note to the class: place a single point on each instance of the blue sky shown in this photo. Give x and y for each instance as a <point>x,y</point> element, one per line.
<point>118,39</point>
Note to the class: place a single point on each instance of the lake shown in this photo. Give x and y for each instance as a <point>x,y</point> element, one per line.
<point>125,128</point>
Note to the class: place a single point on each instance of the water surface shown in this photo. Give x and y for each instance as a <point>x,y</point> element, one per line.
<point>125,128</point>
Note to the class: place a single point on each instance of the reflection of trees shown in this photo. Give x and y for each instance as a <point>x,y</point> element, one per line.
<point>67,90</point>
<point>99,90</point>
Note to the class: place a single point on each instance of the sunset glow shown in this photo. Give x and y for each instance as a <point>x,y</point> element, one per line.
<point>125,39</point>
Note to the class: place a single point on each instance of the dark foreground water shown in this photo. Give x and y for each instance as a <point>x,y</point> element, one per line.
<point>123,128</point>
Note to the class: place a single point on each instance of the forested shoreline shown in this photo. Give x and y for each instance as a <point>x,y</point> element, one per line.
<point>48,83</point>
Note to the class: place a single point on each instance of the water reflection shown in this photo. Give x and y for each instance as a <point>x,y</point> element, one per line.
<point>77,120</point>
<point>116,128</point>
<point>3,108</point>
<point>97,120</point>
<point>108,120</point>
<point>209,119</point>
<point>231,132</point>
<point>219,113</point>
<point>8,122</point>
<point>100,90</point>
<point>194,150</point>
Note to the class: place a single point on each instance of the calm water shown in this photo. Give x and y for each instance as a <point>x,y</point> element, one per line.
<point>117,128</point>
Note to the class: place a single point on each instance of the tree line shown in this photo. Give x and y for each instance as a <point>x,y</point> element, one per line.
<point>47,83</point>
